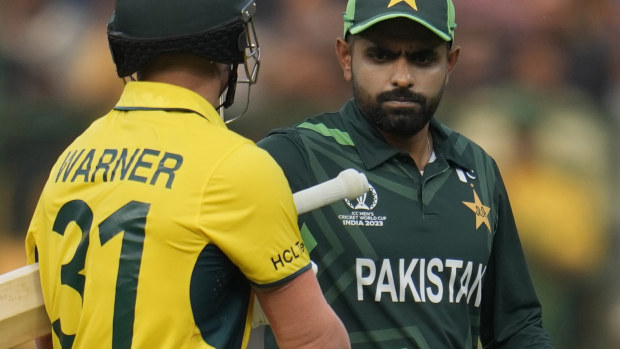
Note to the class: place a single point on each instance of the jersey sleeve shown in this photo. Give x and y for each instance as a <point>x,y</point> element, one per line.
<point>511,315</point>
<point>31,238</point>
<point>289,153</point>
<point>31,244</point>
<point>248,212</point>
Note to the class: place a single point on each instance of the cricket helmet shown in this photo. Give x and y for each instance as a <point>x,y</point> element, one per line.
<point>219,30</point>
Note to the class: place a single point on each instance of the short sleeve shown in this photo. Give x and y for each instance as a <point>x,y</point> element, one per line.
<point>511,315</point>
<point>30,241</point>
<point>287,150</point>
<point>248,212</point>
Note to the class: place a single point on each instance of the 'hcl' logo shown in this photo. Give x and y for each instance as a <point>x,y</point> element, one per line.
<point>288,255</point>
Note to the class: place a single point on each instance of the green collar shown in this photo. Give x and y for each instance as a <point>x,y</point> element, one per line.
<point>448,145</point>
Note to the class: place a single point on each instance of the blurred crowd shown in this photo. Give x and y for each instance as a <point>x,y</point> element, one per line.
<point>537,85</point>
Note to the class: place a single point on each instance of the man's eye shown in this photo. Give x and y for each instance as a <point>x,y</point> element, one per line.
<point>423,58</point>
<point>379,56</point>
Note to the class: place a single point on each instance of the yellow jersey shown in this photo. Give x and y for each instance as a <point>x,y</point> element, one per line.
<point>153,224</point>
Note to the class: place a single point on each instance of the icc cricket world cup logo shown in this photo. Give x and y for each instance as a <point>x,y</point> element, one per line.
<point>366,201</point>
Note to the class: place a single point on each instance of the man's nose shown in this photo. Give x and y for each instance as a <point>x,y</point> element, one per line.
<point>402,75</point>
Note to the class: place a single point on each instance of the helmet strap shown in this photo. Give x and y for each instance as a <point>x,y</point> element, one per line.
<point>230,90</point>
<point>232,86</point>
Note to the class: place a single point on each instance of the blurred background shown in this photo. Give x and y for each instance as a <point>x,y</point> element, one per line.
<point>537,85</point>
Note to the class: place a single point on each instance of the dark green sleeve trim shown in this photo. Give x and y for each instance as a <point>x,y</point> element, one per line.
<point>283,281</point>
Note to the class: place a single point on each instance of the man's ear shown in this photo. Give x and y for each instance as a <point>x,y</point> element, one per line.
<point>453,58</point>
<point>343,53</point>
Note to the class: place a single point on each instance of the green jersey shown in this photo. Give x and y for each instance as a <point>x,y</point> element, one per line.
<point>422,260</point>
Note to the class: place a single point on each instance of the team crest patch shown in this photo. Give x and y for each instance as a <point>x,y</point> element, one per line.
<point>482,212</point>
<point>362,210</point>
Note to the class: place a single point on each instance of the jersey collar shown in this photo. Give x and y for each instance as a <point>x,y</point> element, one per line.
<point>373,150</point>
<point>452,146</point>
<point>146,95</point>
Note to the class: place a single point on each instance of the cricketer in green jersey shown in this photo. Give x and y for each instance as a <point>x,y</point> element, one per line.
<point>430,257</point>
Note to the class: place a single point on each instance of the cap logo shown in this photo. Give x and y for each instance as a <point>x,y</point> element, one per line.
<point>408,2</point>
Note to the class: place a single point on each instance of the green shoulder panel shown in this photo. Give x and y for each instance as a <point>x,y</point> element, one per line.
<point>341,137</point>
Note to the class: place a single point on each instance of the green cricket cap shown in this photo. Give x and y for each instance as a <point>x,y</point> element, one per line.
<point>436,15</point>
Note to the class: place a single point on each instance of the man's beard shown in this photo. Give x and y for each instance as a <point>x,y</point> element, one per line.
<point>400,122</point>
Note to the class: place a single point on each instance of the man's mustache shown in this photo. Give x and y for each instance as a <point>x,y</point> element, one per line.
<point>401,95</point>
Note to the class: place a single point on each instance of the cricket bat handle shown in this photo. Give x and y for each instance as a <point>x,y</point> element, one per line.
<point>348,184</point>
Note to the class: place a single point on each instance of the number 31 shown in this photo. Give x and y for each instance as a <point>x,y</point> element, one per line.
<point>130,219</point>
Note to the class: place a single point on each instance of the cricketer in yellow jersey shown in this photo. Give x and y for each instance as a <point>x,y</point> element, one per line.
<point>157,225</point>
